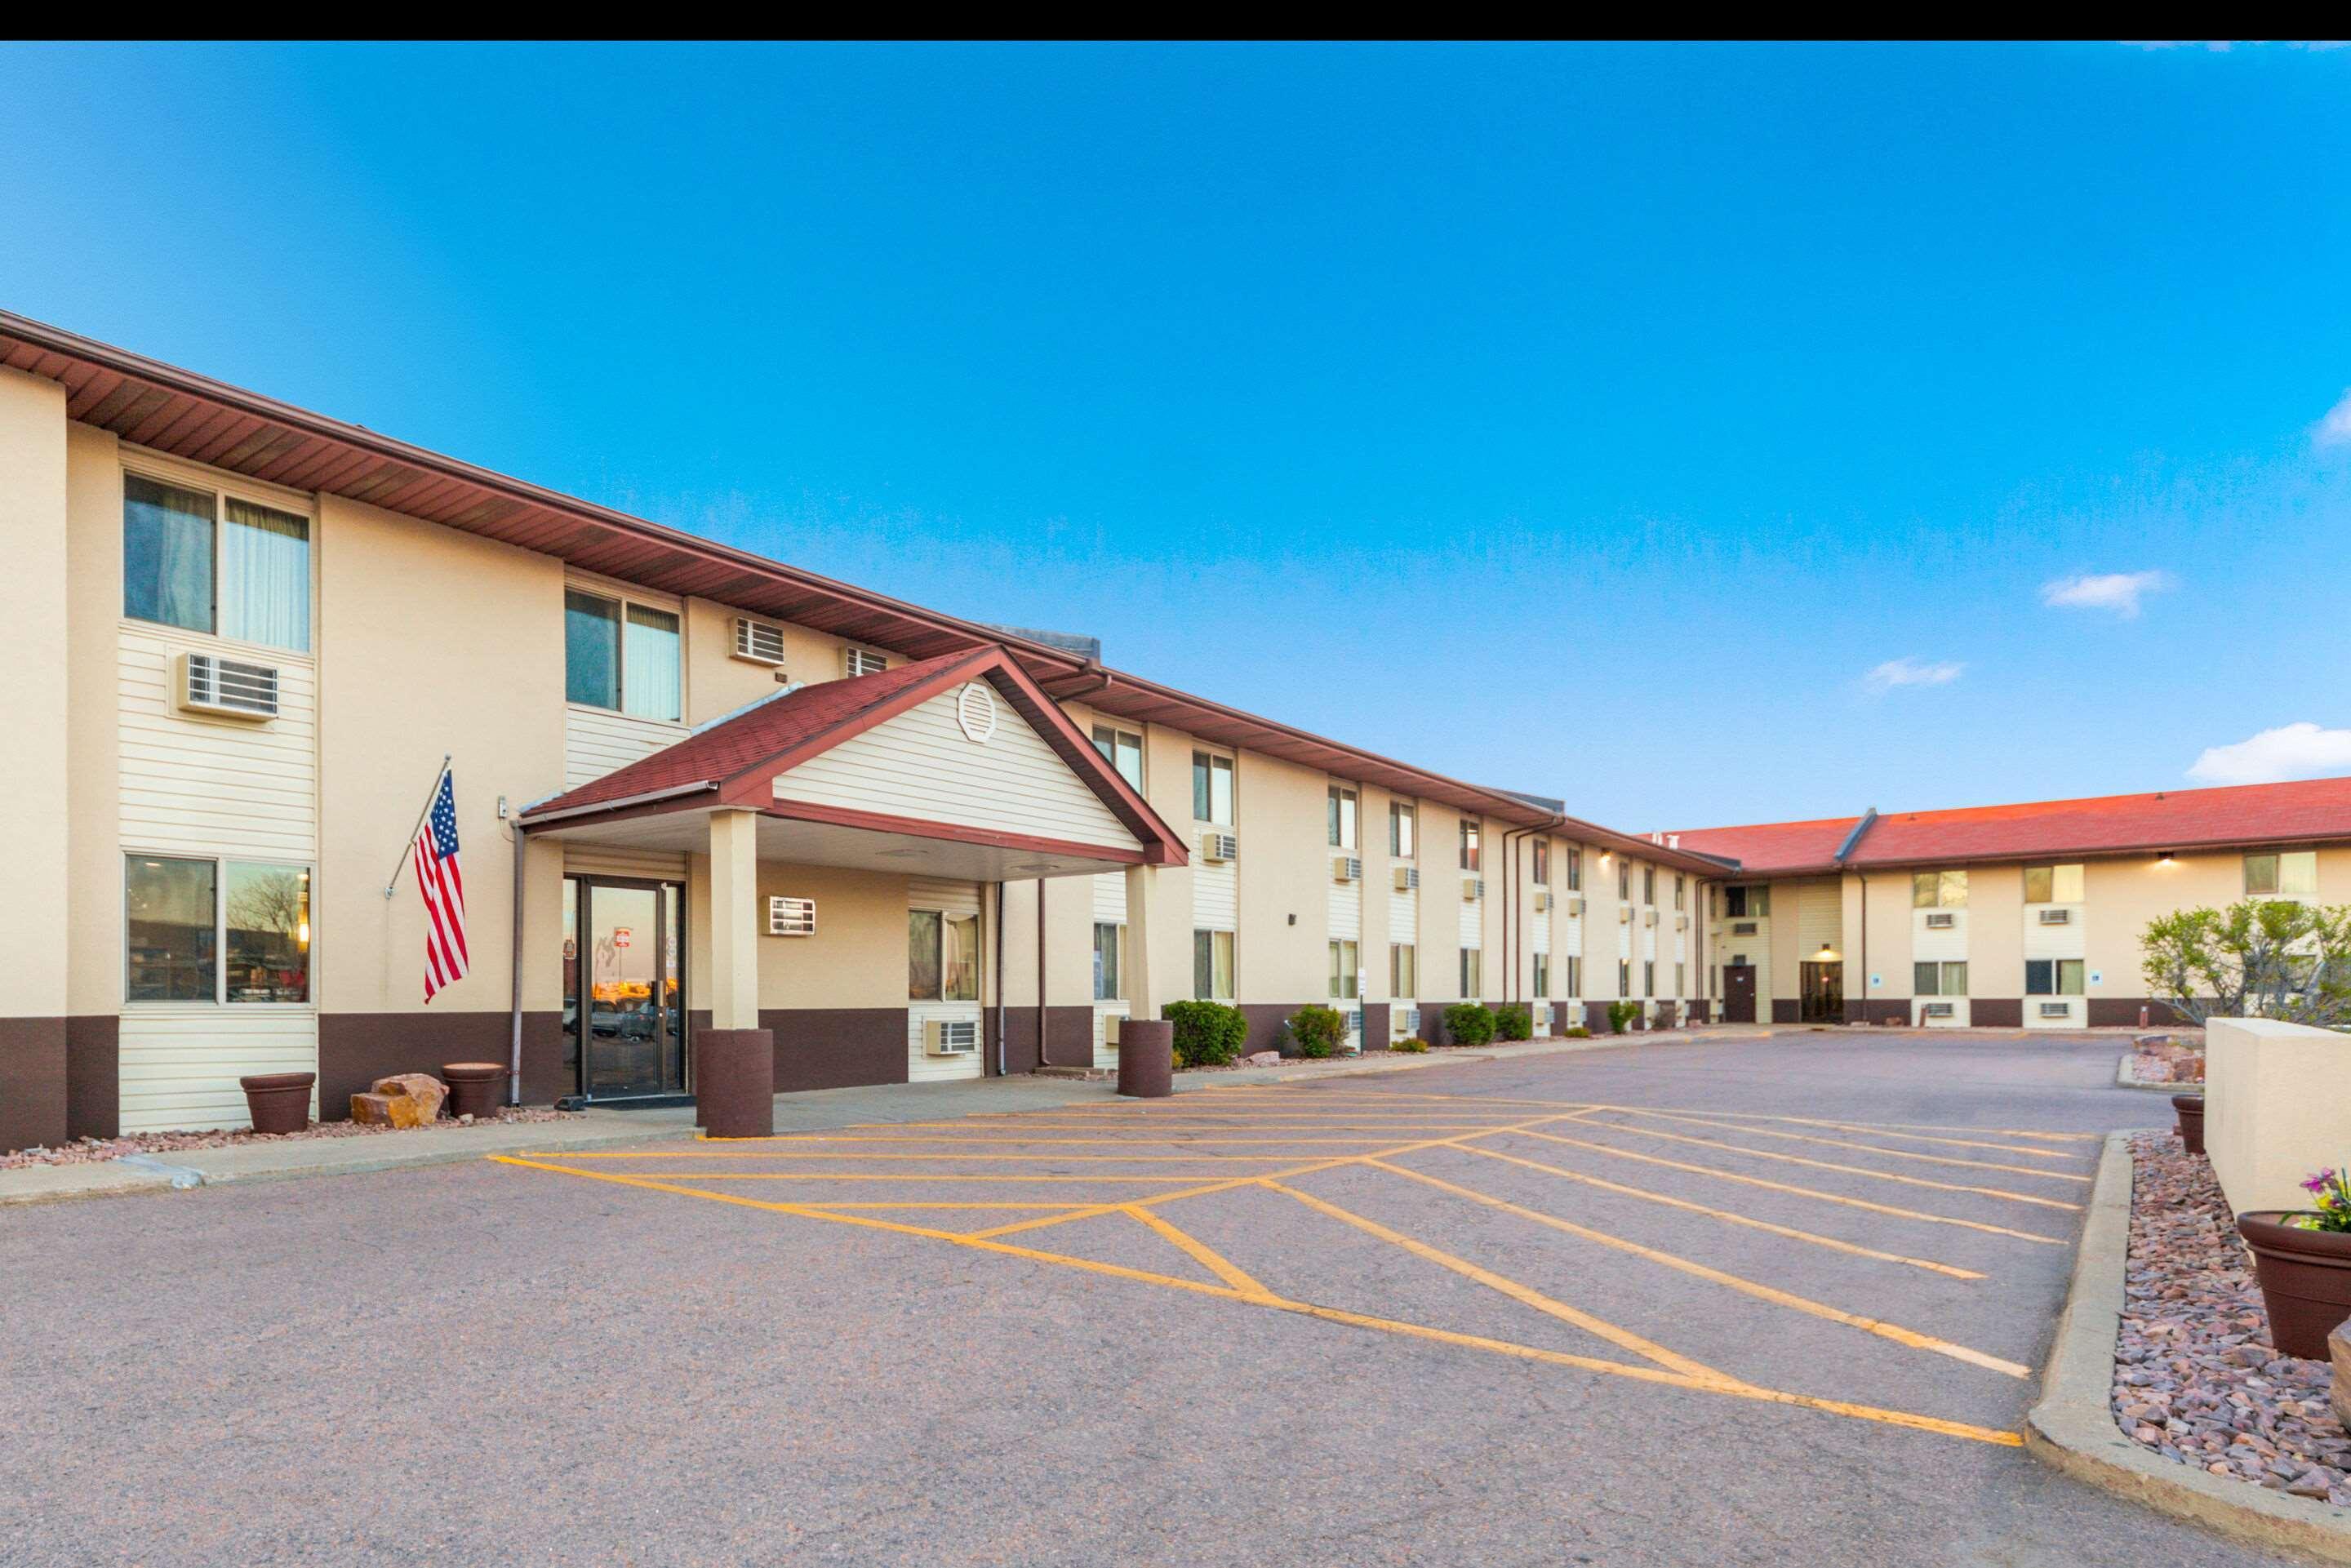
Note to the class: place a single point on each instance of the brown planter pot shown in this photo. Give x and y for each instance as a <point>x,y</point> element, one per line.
<point>2191,1110</point>
<point>2305,1279</point>
<point>279,1102</point>
<point>476,1088</point>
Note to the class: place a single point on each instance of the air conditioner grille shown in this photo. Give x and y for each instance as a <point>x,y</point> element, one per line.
<point>791,917</point>
<point>759,641</point>
<point>211,683</point>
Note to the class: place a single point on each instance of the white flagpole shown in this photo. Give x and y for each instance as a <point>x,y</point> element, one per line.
<point>405,850</point>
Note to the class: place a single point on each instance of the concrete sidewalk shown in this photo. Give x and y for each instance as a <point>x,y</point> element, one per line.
<point>813,1110</point>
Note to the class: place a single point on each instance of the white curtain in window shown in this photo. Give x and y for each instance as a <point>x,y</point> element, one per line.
<point>265,577</point>
<point>648,665</point>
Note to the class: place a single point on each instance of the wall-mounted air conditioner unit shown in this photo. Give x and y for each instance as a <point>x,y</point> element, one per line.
<point>2056,917</point>
<point>1681,920</point>
<point>950,1036</point>
<point>1346,868</point>
<point>1941,920</point>
<point>759,641</point>
<point>1542,1020</point>
<point>1219,849</point>
<point>1743,928</point>
<point>1407,1022</point>
<point>1624,914</point>
<point>1407,878</point>
<point>1473,888</point>
<point>1648,917</point>
<point>858,662</point>
<point>225,688</point>
<point>2056,1010</point>
<point>791,917</point>
<point>1109,1026</point>
<point>1575,907</point>
<point>1938,1010</point>
<point>1543,901</point>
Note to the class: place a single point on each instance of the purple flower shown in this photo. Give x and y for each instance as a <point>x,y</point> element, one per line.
<point>2320,1182</point>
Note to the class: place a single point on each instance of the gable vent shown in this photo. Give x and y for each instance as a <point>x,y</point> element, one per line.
<point>759,641</point>
<point>207,683</point>
<point>975,712</point>
<point>859,662</point>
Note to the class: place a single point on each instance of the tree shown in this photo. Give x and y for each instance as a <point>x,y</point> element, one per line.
<point>2262,958</point>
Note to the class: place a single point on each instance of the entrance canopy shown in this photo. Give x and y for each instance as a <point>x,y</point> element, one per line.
<point>957,766</point>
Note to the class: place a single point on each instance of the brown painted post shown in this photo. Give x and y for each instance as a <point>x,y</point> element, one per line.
<point>734,1081</point>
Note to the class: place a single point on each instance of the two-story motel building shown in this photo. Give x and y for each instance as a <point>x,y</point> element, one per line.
<point>695,788</point>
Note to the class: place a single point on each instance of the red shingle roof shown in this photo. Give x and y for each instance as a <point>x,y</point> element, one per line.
<point>2306,810</point>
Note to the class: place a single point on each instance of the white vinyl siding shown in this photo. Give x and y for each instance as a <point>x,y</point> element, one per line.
<point>955,900</point>
<point>181,1063</point>
<point>1109,909</point>
<point>1215,899</point>
<point>618,860</point>
<point>208,786</point>
<point>1820,920</point>
<point>920,765</point>
<point>596,741</point>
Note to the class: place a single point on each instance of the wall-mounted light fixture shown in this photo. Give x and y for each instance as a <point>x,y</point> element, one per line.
<point>2165,859</point>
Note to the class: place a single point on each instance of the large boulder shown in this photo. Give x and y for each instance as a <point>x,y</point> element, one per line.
<point>403,1100</point>
<point>2339,1347</point>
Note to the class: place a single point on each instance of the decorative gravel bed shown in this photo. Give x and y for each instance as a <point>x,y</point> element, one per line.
<point>2196,1378</point>
<point>2174,1061</point>
<point>91,1150</point>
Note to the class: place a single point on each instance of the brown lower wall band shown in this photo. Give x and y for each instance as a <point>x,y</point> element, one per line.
<point>32,1078</point>
<point>93,1076</point>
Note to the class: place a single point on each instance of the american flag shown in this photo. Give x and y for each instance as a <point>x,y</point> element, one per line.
<point>444,887</point>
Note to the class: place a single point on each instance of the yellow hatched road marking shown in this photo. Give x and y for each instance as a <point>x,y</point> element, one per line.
<point>1715,1117</point>
<point>1770,1293</point>
<point>1846,1143</point>
<point>974,1178</point>
<point>1769,1185</point>
<point>1651,1375</point>
<point>1622,1338</point>
<point>1727,1214</point>
<point>954,1158</point>
<point>1832,1165</point>
<point>1201,1251</point>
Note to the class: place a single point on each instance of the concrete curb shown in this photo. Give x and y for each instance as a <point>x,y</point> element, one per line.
<point>1443,1056</point>
<point>2072,1428</point>
<point>2126,1078</point>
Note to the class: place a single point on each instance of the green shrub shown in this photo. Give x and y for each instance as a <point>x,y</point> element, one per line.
<point>1576,1031</point>
<point>1208,1034</point>
<point>1515,1021</point>
<point>1318,1031</point>
<point>1621,1015</point>
<point>1469,1023</point>
<point>1412,1047</point>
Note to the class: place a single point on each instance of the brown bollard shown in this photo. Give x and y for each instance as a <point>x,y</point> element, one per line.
<point>1146,1058</point>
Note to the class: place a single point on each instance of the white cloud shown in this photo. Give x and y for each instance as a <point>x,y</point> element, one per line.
<point>2119,592</point>
<point>2289,751</point>
<point>2335,430</point>
<point>1911,673</point>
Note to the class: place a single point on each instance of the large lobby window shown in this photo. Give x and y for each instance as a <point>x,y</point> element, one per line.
<point>236,932</point>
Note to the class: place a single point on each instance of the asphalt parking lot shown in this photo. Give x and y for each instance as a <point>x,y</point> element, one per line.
<point>1728,1301</point>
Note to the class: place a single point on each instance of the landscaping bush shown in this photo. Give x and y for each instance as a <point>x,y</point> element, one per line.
<point>1413,1047</point>
<point>1515,1021</point>
<point>1576,1031</point>
<point>1318,1031</point>
<point>1621,1015</point>
<point>1469,1023</point>
<point>1208,1034</point>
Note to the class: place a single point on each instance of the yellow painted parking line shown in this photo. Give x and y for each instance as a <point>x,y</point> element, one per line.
<point>1525,1296</point>
<point>843,1203</point>
<point>1818,1141</point>
<point>1720,1119</point>
<point>1761,1291</point>
<point>1727,1216</point>
<point>1832,1165</point>
<point>953,1159</point>
<point>1199,1251</point>
<point>1765,1181</point>
<point>766,1150</point>
<point>1651,1375</point>
<point>972,1178</point>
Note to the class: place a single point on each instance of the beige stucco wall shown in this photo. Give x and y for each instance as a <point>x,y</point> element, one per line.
<point>2277,1108</point>
<point>33,700</point>
<point>429,641</point>
<point>94,546</point>
<point>1280,947</point>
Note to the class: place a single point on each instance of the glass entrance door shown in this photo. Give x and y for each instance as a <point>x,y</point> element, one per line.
<point>624,999</point>
<point>1822,992</point>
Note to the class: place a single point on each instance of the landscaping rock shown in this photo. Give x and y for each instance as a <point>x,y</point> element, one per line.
<point>428,1093</point>
<point>1264,1058</point>
<point>386,1111</point>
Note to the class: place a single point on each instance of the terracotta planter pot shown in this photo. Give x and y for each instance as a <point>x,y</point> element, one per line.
<point>476,1088</point>
<point>2191,1108</point>
<point>279,1102</point>
<point>2305,1279</point>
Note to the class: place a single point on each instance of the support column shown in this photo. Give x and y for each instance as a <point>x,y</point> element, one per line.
<point>1146,1043</point>
<point>735,1058</point>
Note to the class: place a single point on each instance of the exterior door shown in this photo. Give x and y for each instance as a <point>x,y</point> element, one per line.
<point>1823,993</point>
<point>624,996</point>
<point>1739,993</point>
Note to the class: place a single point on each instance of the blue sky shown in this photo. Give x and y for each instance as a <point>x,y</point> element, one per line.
<point>1594,421</point>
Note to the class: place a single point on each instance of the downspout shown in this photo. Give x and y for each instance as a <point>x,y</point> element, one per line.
<point>1042,1060</point>
<point>997,936</point>
<point>514,1019</point>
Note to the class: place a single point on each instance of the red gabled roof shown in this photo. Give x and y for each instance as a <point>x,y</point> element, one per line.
<point>2307,811</point>
<point>730,762</point>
